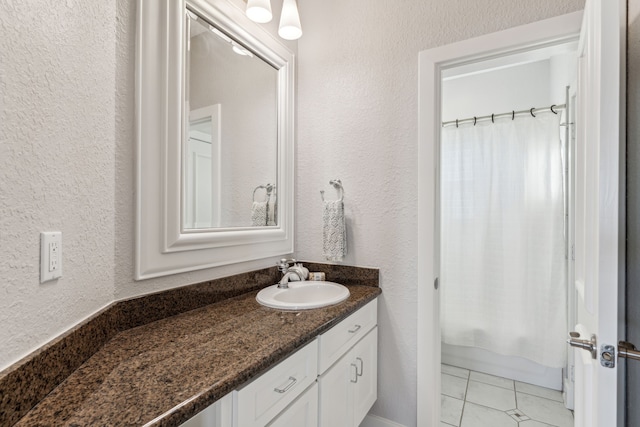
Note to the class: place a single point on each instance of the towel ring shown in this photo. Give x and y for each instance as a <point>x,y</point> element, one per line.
<point>269,188</point>
<point>337,184</point>
<point>256,189</point>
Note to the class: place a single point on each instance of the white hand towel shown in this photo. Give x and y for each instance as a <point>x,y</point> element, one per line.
<point>272,210</point>
<point>259,214</point>
<point>334,231</point>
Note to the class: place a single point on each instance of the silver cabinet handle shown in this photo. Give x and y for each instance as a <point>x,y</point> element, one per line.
<point>356,368</point>
<point>292,381</point>
<point>361,367</point>
<point>355,329</point>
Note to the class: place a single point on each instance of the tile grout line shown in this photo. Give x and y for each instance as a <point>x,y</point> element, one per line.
<point>515,392</point>
<point>464,401</point>
<point>541,397</point>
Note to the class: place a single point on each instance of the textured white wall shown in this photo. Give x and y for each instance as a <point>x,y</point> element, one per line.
<point>358,120</point>
<point>57,147</point>
<point>498,91</point>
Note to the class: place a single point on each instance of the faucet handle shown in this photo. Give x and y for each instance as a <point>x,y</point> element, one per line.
<point>283,265</point>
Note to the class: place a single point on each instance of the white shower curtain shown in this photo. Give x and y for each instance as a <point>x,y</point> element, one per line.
<point>502,251</point>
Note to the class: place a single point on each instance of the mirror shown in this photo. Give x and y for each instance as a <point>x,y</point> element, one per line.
<point>214,103</point>
<point>230,153</point>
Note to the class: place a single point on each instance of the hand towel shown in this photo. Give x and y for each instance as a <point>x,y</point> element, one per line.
<point>334,231</point>
<point>259,214</point>
<point>272,210</point>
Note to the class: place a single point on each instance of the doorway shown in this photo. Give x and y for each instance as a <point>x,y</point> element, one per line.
<point>505,258</point>
<point>464,56</point>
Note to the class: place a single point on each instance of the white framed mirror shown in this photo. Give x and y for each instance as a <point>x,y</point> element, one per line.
<point>214,139</point>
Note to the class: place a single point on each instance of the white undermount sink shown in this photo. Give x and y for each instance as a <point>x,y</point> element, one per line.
<point>303,295</point>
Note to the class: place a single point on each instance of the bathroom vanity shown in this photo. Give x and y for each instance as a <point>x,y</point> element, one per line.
<point>219,364</point>
<point>332,381</point>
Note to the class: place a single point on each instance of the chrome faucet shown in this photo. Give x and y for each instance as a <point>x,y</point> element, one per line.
<point>296,272</point>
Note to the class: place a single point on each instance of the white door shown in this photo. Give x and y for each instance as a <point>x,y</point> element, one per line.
<point>599,223</point>
<point>599,231</point>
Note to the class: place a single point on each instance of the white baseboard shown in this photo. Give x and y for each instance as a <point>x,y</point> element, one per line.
<point>375,421</point>
<point>515,368</point>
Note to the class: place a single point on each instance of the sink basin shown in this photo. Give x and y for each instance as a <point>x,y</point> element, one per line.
<point>303,295</point>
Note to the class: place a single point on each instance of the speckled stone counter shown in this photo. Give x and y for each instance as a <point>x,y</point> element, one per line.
<point>163,373</point>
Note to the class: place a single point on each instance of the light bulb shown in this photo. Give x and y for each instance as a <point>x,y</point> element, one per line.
<point>259,11</point>
<point>290,28</point>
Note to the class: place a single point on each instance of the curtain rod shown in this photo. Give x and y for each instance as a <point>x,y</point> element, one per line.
<point>511,114</point>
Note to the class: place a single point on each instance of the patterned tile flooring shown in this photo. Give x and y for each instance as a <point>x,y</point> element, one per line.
<point>474,399</point>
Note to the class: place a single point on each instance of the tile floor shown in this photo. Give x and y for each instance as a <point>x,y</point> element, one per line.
<point>474,399</point>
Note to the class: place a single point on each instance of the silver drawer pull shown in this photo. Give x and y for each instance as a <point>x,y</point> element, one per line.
<point>356,369</point>
<point>292,381</point>
<point>361,367</point>
<point>355,329</point>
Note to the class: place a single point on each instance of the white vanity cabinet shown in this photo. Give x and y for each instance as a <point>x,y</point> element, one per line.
<point>301,413</point>
<point>348,388</point>
<point>331,382</point>
<point>217,415</point>
<point>260,401</point>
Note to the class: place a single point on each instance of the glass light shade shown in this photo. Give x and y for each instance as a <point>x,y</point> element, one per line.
<point>290,28</point>
<point>259,11</point>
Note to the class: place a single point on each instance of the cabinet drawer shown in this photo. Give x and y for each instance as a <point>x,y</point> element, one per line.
<point>301,413</point>
<point>336,341</point>
<point>258,402</point>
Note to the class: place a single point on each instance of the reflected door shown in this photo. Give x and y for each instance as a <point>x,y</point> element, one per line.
<point>202,169</point>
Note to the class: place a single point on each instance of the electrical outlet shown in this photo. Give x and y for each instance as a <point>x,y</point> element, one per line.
<point>50,255</point>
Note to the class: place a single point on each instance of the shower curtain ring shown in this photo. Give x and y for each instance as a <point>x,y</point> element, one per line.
<point>513,114</point>
<point>492,118</point>
<point>552,110</point>
<point>456,122</point>
<point>474,120</point>
<point>531,111</point>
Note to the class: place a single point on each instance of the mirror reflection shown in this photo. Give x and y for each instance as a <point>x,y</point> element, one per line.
<point>230,150</point>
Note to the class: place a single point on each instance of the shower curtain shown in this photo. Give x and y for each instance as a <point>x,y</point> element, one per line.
<point>502,250</point>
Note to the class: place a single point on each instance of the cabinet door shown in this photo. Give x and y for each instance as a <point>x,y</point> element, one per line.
<point>260,401</point>
<point>350,387</point>
<point>301,413</point>
<point>365,391</point>
<point>217,415</point>
<point>336,395</point>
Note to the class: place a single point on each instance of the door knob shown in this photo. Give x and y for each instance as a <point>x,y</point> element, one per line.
<point>628,351</point>
<point>589,345</point>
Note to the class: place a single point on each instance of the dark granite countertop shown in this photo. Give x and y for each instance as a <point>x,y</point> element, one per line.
<point>163,373</point>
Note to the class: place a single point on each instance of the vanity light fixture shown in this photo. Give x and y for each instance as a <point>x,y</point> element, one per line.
<point>259,11</point>
<point>240,50</point>
<point>237,48</point>
<point>290,28</point>
<point>220,34</point>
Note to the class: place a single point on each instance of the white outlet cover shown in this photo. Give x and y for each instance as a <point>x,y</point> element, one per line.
<point>50,255</point>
